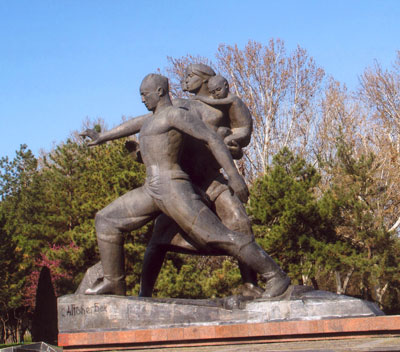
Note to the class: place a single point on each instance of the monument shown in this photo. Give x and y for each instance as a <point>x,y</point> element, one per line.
<point>168,189</point>
<point>184,144</point>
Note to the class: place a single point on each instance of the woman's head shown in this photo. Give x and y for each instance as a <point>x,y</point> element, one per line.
<point>196,76</point>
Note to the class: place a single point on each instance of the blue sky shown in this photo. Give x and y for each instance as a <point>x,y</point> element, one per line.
<point>64,60</point>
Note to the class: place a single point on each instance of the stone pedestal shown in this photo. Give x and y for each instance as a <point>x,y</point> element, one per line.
<point>78,313</point>
<point>101,322</point>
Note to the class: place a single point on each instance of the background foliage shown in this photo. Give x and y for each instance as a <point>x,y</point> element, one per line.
<point>323,169</point>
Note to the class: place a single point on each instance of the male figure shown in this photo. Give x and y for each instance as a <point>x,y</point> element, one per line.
<point>167,189</point>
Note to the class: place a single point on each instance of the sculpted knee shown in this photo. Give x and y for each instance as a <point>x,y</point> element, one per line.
<point>232,213</point>
<point>103,224</point>
<point>246,238</point>
<point>234,242</point>
<point>238,221</point>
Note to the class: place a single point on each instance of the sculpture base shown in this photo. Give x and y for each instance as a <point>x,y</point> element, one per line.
<point>370,334</point>
<point>112,322</point>
<point>82,313</point>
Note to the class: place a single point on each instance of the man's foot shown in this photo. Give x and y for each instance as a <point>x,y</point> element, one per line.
<point>251,290</point>
<point>276,286</point>
<point>111,287</point>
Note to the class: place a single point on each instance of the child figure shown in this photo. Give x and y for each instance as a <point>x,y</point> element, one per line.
<point>236,136</point>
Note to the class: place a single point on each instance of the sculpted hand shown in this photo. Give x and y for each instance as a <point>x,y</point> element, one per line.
<point>234,147</point>
<point>134,150</point>
<point>239,187</point>
<point>230,141</point>
<point>224,132</point>
<point>92,134</point>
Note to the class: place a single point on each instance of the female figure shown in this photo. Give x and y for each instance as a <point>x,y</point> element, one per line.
<point>198,162</point>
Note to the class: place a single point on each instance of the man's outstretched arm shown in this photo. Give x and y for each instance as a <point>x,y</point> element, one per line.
<point>125,129</point>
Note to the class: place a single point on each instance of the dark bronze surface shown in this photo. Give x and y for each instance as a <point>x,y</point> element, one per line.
<point>183,145</point>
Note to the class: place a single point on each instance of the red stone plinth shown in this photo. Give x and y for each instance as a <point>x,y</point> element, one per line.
<point>232,333</point>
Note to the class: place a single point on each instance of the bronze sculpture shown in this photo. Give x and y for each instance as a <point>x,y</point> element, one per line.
<point>169,190</point>
<point>205,174</point>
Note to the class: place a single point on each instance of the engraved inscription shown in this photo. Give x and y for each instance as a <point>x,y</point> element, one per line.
<point>73,310</point>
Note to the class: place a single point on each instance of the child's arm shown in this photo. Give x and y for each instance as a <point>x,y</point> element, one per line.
<point>214,102</point>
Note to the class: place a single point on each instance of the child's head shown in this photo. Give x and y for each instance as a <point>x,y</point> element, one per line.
<point>218,87</point>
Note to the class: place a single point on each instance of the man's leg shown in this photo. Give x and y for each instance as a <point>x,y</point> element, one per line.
<point>167,236</point>
<point>258,260</point>
<point>127,213</point>
<point>232,214</point>
<point>244,249</point>
<point>204,227</point>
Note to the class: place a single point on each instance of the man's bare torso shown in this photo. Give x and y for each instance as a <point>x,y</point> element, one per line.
<point>160,142</point>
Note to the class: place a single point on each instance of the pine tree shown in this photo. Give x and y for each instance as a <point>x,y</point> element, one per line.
<point>288,222</point>
<point>82,180</point>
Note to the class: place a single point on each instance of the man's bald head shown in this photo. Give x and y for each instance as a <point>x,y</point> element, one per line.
<point>154,81</point>
<point>154,91</point>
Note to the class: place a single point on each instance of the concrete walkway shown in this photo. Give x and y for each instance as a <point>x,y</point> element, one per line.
<point>351,344</point>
